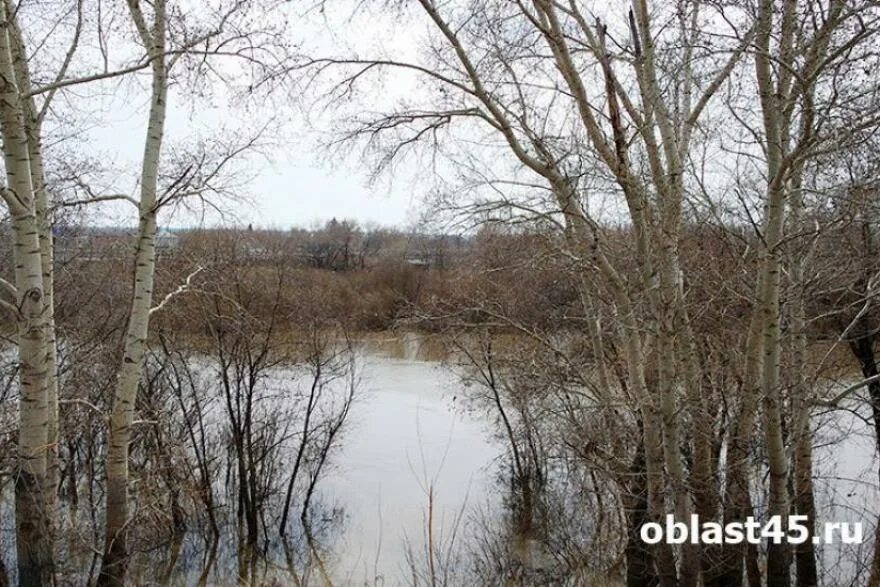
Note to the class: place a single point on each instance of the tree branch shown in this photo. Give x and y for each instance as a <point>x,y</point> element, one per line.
<point>97,199</point>
<point>183,288</point>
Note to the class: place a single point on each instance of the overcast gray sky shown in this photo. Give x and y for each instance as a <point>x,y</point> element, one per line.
<point>295,186</point>
<point>293,182</point>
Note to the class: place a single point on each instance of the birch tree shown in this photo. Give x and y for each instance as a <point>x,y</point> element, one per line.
<point>32,523</point>
<point>152,35</point>
<point>796,55</point>
<point>569,91</point>
<point>23,119</point>
<point>26,112</point>
<point>34,116</point>
<point>28,201</point>
<point>196,179</point>
<point>25,107</point>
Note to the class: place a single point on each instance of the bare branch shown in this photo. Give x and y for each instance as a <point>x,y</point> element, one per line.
<point>183,288</point>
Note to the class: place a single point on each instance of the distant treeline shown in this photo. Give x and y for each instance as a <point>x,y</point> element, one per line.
<point>379,278</point>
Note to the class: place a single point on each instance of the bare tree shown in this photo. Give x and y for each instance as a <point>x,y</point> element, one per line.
<point>592,106</point>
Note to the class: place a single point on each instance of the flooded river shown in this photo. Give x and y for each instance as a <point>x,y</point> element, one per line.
<point>409,443</point>
<point>406,435</point>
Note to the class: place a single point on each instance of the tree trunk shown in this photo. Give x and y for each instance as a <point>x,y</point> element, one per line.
<point>35,566</point>
<point>639,562</point>
<point>113,568</point>
<point>737,499</point>
<point>33,131</point>
<point>804,502</point>
<point>862,346</point>
<point>801,400</point>
<point>767,305</point>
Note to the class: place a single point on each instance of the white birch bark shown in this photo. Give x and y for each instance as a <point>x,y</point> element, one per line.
<point>777,100</point>
<point>113,568</point>
<point>32,120</point>
<point>32,530</point>
<point>767,303</point>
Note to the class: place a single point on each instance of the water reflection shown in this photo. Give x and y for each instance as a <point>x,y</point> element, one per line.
<point>409,464</point>
<point>407,440</point>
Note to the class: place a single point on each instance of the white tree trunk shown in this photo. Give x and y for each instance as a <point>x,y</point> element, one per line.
<point>33,543</point>
<point>114,565</point>
<point>33,131</point>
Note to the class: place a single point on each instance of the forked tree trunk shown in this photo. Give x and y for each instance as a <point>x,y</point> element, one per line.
<point>33,131</point>
<point>35,566</point>
<point>114,564</point>
<point>776,67</point>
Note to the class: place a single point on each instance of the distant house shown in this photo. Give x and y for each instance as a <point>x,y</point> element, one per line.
<point>91,243</point>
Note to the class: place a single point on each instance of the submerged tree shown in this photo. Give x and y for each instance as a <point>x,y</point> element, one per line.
<point>26,106</point>
<point>578,117</point>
